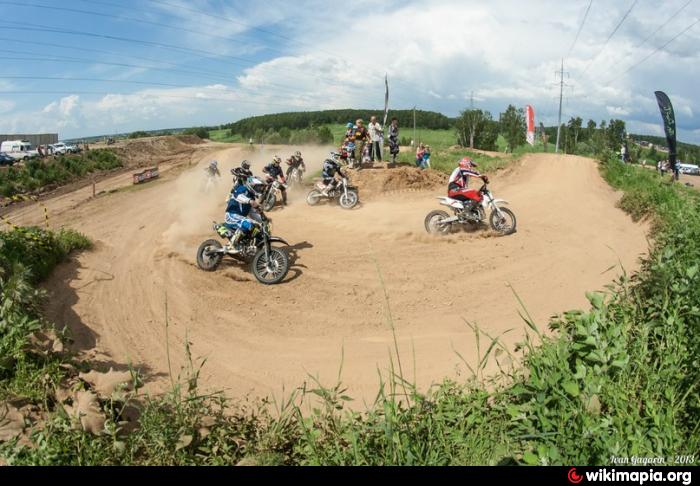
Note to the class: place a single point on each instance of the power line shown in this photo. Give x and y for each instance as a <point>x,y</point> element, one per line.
<point>199,52</point>
<point>140,95</point>
<point>583,22</point>
<point>665,23</point>
<point>617,27</point>
<point>64,59</point>
<point>258,29</point>
<point>655,51</point>
<point>133,19</point>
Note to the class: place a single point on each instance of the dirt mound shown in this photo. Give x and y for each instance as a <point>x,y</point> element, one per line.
<point>190,139</point>
<point>152,151</point>
<point>374,182</point>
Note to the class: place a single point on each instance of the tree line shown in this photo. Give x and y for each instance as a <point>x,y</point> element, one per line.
<point>310,119</point>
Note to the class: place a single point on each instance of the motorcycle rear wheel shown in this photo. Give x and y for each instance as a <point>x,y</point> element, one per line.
<point>272,270</point>
<point>504,225</point>
<point>209,255</point>
<point>314,197</point>
<point>432,223</point>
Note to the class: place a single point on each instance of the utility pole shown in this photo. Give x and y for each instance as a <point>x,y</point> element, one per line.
<point>415,142</point>
<point>561,98</point>
<point>471,102</point>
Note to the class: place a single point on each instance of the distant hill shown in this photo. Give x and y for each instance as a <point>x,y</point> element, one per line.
<point>305,119</point>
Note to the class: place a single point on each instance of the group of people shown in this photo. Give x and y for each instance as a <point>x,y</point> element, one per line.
<point>369,141</point>
<point>423,156</point>
<point>242,203</point>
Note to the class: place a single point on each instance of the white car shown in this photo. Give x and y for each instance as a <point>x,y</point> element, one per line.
<point>61,148</point>
<point>689,169</point>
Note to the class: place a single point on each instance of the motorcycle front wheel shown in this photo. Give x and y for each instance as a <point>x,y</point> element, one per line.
<point>432,223</point>
<point>313,198</point>
<point>209,255</point>
<point>505,223</point>
<point>270,270</point>
<point>349,200</point>
<point>270,202</point>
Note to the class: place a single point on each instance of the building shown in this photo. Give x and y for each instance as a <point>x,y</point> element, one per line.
<point>35,139</point>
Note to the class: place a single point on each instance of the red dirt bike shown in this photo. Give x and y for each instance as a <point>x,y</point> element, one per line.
<point>473,213</point>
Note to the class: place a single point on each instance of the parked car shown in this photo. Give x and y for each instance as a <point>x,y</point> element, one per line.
<point>6,159</point>
<point>690,169</point>
<point>18,149</point>
<point>61,148</point>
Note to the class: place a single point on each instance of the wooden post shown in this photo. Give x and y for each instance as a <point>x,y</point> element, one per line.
<point>93,188</point>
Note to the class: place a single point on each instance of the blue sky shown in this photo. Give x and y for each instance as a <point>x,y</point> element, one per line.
<point>152,64</point>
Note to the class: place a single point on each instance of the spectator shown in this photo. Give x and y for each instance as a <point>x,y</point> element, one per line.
<point>376,134</point>
<point>394,139</point>
<point>361,135</point>
<point>419,155</point>
<point>426,158</point>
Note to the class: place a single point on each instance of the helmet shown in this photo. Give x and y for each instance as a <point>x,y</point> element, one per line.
<point>245,165</point>
<point>213,164</point>
<point>334,156</point>
<point>467,163</point>
<point>297,154</point>
<point>349,125</point>
<point>239,173</point>
<point>277,160</point>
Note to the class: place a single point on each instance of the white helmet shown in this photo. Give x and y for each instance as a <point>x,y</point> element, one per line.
<point>213,164</point>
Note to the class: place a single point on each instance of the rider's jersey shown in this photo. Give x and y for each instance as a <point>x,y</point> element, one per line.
<point>274,171</point>
<point>295,162</point>
<point>212,171</point>
<point>240,201</point>
<point>330,169</point>
<point>460,177</point>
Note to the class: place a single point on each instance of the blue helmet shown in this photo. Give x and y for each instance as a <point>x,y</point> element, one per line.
<point>349,125</point>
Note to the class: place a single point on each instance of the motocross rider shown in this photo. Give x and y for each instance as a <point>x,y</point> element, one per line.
<point>241,216</point>
<point>458,186</point>
<point>213,169</point>
<point>295,162</point>
<point>331,167</point>
<point>241,174</point>
<point>274,172</point>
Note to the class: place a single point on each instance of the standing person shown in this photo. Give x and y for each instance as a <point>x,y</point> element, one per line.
<point>425,163</point>
<point>419,155</point>
<point>376,133</point>
<point>361,135</point>
<point>394,139</point>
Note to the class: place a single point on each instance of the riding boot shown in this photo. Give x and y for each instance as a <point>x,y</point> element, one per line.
<point>236,238</point>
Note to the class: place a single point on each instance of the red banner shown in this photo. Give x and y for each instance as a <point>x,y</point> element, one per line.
<point>530,111</point>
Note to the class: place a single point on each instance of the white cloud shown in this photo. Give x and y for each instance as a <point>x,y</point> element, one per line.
<point>6,106</point>
<point>502,52</point>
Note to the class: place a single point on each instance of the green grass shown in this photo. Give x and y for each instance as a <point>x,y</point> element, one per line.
<point>225,137</point>
<point>620,379</point>
<point>38,174</point>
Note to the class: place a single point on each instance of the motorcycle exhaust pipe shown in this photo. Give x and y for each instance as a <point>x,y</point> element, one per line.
<point>450,220</point>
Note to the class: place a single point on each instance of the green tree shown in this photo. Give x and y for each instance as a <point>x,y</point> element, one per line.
<point>512,125</point>
<point>469,124</point>
<point>615,134</point>
<point>573,133</point>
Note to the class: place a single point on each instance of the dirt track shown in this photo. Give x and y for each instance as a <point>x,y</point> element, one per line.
<point>259,339</point>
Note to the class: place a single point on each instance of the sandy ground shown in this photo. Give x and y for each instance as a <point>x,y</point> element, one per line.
<point>352,271</point>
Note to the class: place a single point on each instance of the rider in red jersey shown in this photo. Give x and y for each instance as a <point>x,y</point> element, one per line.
<point>458,187</point>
